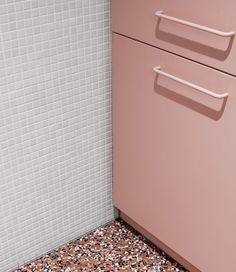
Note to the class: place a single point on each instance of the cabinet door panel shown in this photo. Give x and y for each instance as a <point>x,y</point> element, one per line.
<point>205,33</point>
<point>174,152</point>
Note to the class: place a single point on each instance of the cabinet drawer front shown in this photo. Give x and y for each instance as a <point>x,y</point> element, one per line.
<point>174,151</point>
<point>199,30</point>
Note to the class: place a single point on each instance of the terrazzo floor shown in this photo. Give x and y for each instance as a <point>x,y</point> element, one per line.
<point>115,247</point>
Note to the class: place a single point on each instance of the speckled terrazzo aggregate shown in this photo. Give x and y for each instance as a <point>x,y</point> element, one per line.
<point>115,247</point>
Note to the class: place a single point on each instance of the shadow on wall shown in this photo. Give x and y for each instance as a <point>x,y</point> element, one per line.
<point>193,45</point>
<point>190,103</point>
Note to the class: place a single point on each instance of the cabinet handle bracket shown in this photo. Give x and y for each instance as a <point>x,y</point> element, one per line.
<point>160,14</point>
<point>189,84</point>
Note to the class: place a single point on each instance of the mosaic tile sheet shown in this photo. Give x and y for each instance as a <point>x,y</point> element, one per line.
<point>55,124</point>
<point>116,247</point>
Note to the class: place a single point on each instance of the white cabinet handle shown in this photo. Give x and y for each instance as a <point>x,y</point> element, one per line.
<point>189,84</point>
<point>197,26</point>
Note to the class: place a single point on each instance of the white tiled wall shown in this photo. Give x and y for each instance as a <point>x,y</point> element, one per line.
<point>55,124</point>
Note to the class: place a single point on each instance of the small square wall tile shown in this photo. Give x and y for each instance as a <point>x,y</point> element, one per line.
<point>55,116</point>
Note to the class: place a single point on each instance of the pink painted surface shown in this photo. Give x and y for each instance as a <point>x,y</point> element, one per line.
<point>157,242</point>
<point>174,153</point>
<point>135,18</point>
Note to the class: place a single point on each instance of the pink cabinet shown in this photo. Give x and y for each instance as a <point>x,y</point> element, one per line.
<point>174,148</point>
<point>200,30</point>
